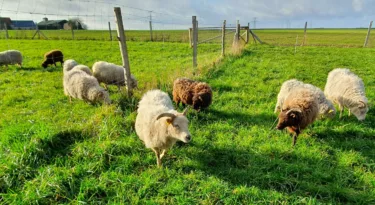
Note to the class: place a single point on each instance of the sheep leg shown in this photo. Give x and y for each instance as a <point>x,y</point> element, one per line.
<point>341,108</point>
<point>162,153</point>
<point>70,99</point>
<point>349,112</point>
<point>295,136</point>
<point>105,86</point>
<point>158,159</point>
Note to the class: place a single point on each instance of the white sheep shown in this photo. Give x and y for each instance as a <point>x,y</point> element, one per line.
<point>83,68</point>
<point>69,65</point>
<point>10,57</point>
<point>78,84</point>
<point>111,74</point>
<point>326,108</point>
<point>347,90</point>
<point>158,125</point>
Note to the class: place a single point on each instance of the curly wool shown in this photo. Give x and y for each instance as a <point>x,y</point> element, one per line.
<point>78,84</point>
<point>10,57</point>
<point>347,90</point>
<point>326,108</point>
<point>190,92</point>
<point>111,74</point>
<point>52,57</point>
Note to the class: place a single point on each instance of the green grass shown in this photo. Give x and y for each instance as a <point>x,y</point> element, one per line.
<point>281,37</point>
<point>52,151</point>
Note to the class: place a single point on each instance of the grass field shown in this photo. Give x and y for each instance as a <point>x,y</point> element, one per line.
<point>53,151</point>
<point>280,37</point>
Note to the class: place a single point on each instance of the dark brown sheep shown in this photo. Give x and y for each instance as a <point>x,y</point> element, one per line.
<point>52,57</point>
<point>190,92</point>
<point>300,109</point>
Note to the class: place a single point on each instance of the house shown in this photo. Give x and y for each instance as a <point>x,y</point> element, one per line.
<point>6,21</point>
<point>23,25</point>
<point>51,24</point>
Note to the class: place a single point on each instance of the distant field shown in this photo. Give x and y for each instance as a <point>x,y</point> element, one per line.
<point>282,37</point>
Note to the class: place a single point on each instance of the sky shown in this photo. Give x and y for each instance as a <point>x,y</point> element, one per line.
<point>177,14</point>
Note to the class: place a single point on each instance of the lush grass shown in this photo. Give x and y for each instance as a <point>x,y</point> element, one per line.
<point>283,37</point>
<point>52,151</point>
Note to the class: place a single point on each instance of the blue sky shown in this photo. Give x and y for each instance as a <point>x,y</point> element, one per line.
<point>176,14</point>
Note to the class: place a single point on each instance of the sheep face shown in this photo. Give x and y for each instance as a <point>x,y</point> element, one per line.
<point>103,96</point>
<point>177,125</point>
<point>44,64</point>
<point>202,100</point>
<point>359,110</point>
<point>289,118</point>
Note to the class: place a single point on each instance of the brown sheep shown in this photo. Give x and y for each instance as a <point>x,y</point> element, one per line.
<point>190,92</point>
<point>52,57</point>
<point>300,109</point>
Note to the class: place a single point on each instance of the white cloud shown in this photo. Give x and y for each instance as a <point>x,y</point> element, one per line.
<point>357,5</point>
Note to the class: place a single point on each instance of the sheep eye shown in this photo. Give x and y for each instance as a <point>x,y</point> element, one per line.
<point>176,126</point>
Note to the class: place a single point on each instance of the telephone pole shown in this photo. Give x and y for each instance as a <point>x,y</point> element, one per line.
<point>151,26</point>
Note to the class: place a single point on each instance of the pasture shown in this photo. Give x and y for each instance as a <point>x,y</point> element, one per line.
<point>53,151</point>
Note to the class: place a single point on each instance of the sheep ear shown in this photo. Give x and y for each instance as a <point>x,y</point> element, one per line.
<point>362,104</point>
<point>169,121</point>
<point>185,111</point>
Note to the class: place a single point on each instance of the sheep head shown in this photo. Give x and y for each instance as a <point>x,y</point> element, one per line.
<point>288,118</point>
<point>360,109</point>
<point>103,96</point>
<point>177,125</point>
<point>44,64</point>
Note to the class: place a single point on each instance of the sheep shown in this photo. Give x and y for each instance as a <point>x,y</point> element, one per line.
<point>52,57</point>
<point>111,74</point>
<point>10,57</point>
<point>347,90</point>
<point>190,92</point>
<point>78,84</point>
<point>300,108</point>
<point>83,68</point>
<point>158,125</point>
<point>69,65</point>
<point>326,108</point>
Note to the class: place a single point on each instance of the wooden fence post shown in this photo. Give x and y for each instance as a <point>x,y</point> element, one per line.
<point>123,48</point>
<point>190,38</point>
<point>6,31</point>
<point>247,33</point>
<point>238,30</point>
<point>223,39</point>
<point>110,31</point>
<point>368,34</point>
<point>304,34</point>
<point>151,31</point>
<point>195,41</point>
<point>72,31</point>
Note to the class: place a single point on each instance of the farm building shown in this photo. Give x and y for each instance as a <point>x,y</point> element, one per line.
<point>51,24</point>
<point>6,21</point>
<point>23,25</point>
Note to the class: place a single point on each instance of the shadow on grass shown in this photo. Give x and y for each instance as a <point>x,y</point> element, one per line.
<point>284,172</point>
<point>41,152</point>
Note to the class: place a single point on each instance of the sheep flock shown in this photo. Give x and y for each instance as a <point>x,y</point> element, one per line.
<point>159,125</point>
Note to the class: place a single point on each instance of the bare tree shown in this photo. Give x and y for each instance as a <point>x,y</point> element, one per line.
<point>77,23</point>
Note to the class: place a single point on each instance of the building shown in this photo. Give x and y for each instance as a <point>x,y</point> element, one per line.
<point>5,21</point>
<point>51,24</point>
<point>23,25</point>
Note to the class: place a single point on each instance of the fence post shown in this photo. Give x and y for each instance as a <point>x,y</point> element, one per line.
<point>223,39</point>
<point>195,40</point>
<point>238,29</point>
<point>247,33</point>
<point>190,38</point>
<point>123,48</point>
<point>72,31</point>
<point>304,34</point>
<point>151,31</point>
<point>110,31</point>
<point>368,34</point>
<point>6,31</point>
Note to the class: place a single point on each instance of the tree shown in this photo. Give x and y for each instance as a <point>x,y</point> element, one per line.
<point>77,23</point>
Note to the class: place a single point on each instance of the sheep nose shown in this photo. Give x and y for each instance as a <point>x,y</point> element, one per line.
<point>188,138</point>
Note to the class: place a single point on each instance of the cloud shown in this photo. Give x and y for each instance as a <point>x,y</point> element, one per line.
<point>171,14</point>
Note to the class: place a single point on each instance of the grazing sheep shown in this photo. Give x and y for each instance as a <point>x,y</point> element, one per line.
<point>52,57</point>
<point>10,57</point>
<point>300,109</point>
<point>347,90</point>
<point>78,84</point>
<point>69,65</point>
<point>111,74</point>
<point>190,92</point>
<point>158,125</point>
<point>326,108</point>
